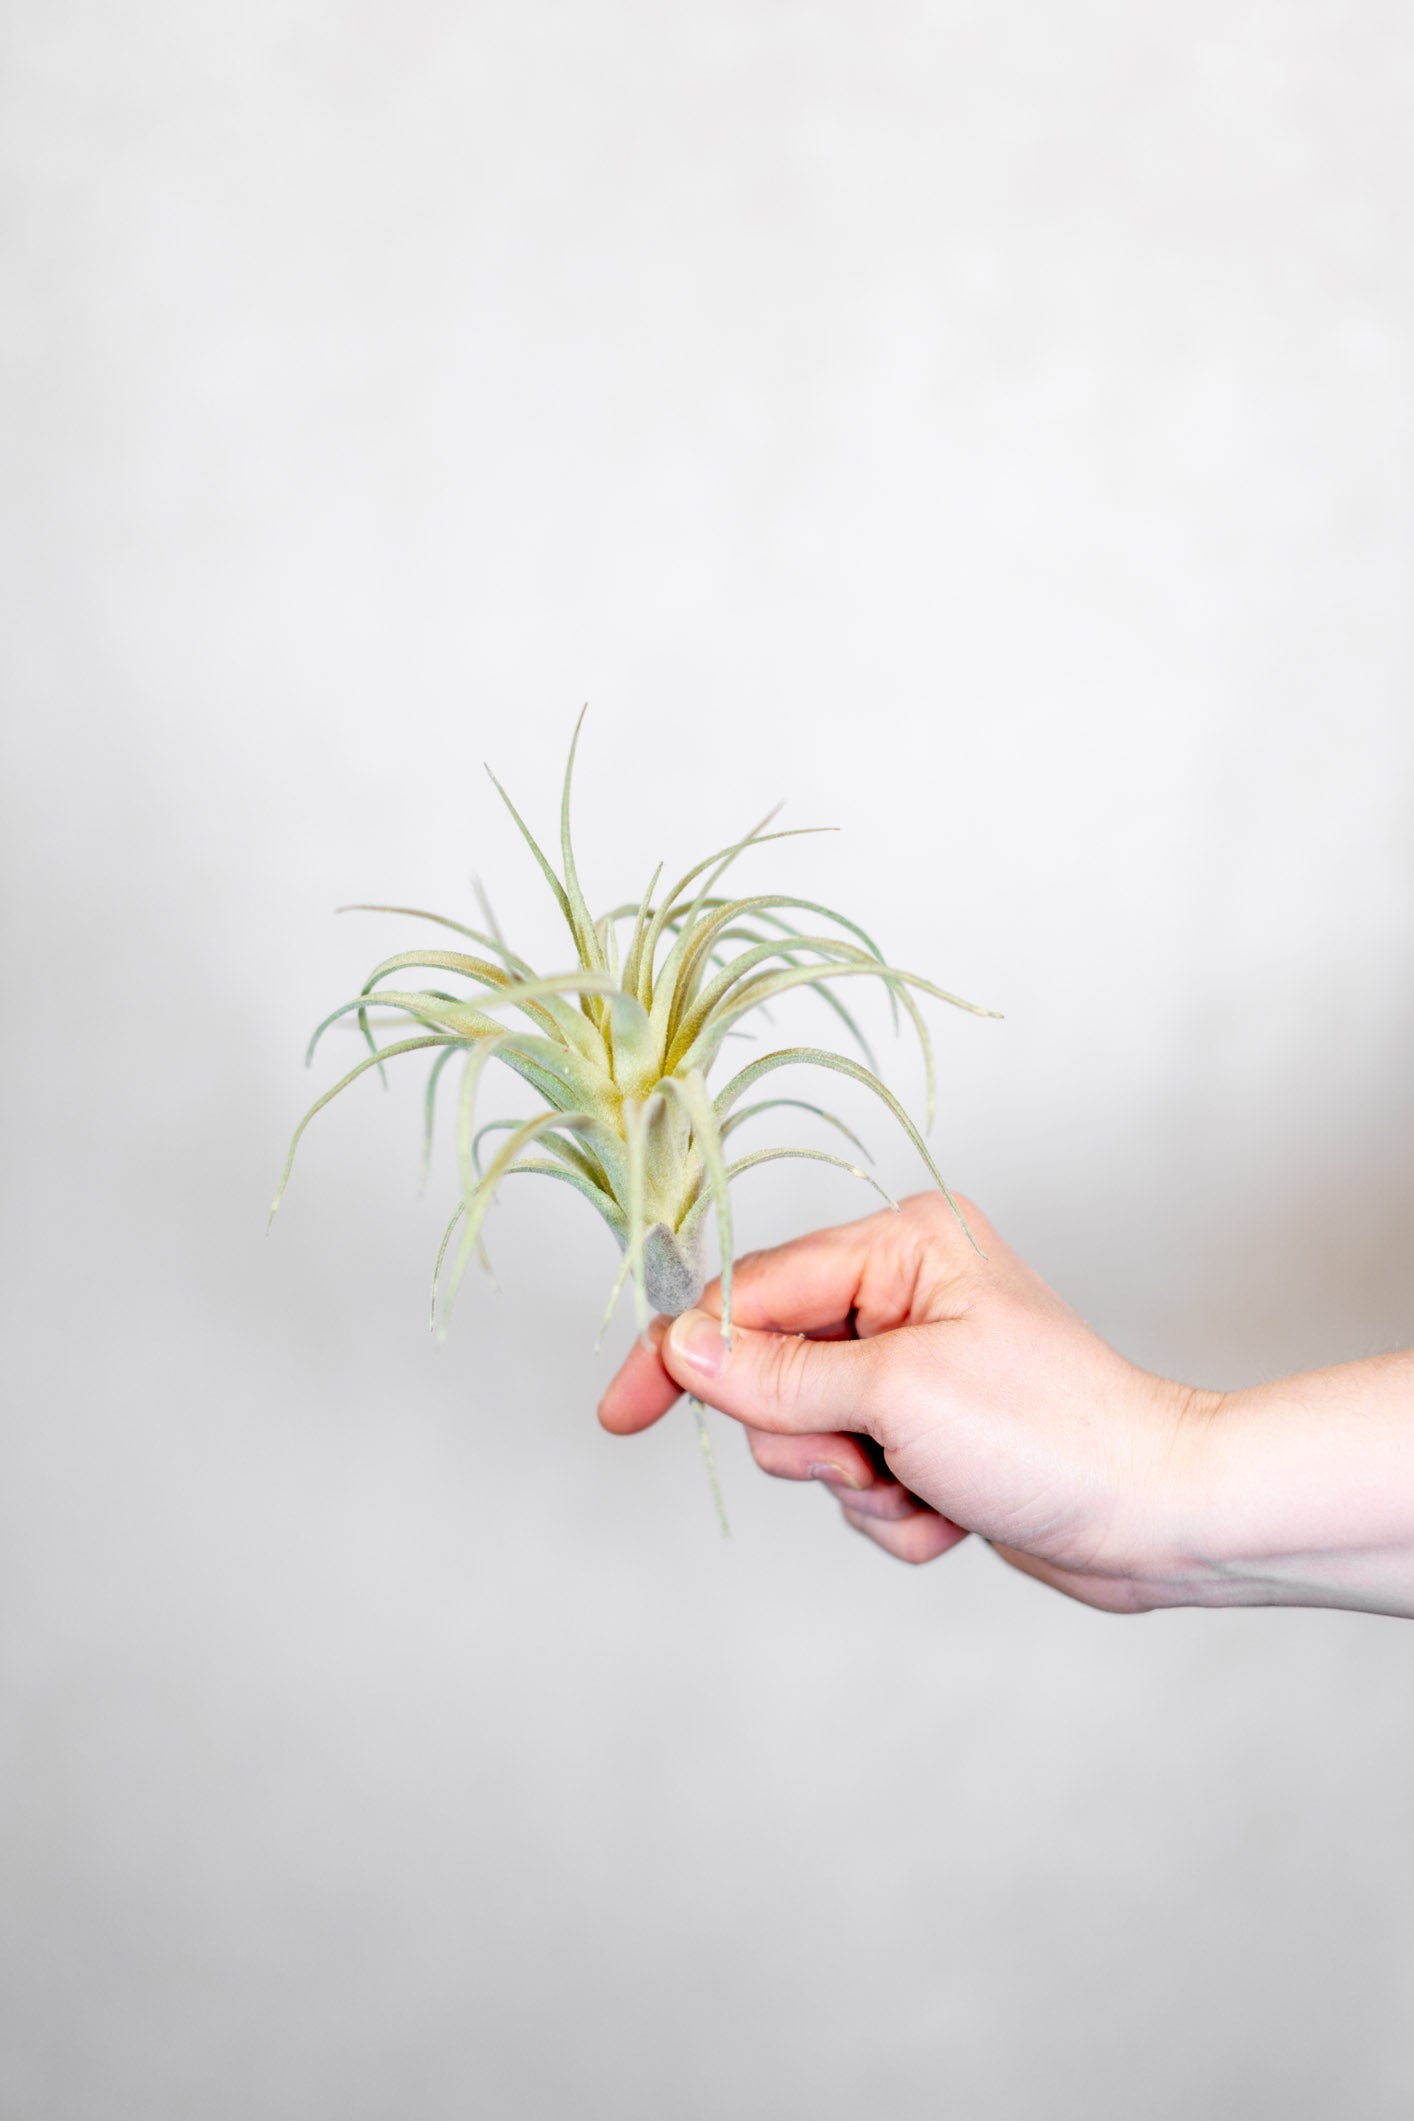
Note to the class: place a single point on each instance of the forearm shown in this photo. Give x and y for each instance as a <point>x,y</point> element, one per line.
<point>1304,1491</point>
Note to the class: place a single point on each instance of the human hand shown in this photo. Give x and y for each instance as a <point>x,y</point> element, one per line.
<point>936,1392</point>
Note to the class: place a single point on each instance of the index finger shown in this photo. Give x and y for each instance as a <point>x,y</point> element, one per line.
<point>807,1285</point>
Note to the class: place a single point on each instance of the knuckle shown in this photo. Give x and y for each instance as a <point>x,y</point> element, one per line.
<point>934,1211</point>
<point>768,1451</point>
<point>787,1366</point>
<point>747,1274</point>
<point>911,1541</point>
<point>910,1550</point>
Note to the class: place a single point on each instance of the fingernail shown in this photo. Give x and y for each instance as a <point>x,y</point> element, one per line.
<point>819,1469</point>
<point>696,1339</point>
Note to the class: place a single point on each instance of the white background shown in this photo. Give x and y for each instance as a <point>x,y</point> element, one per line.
<point>989,428</point>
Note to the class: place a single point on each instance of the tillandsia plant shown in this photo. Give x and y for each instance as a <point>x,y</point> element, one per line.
<point>620,1048</point>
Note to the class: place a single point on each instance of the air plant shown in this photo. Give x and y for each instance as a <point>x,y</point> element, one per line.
<point>620,1048</point>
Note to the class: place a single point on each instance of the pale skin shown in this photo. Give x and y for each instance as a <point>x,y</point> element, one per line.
<point>939,1390</point>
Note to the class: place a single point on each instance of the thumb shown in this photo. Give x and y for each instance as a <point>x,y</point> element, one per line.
<point>777,1381</point>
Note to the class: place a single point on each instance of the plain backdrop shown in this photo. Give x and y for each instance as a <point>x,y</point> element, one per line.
<point>989,429</point>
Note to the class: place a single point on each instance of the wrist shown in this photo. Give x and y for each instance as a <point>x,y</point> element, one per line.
<point>1175,1533</point>
<point>1298,1492</point>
